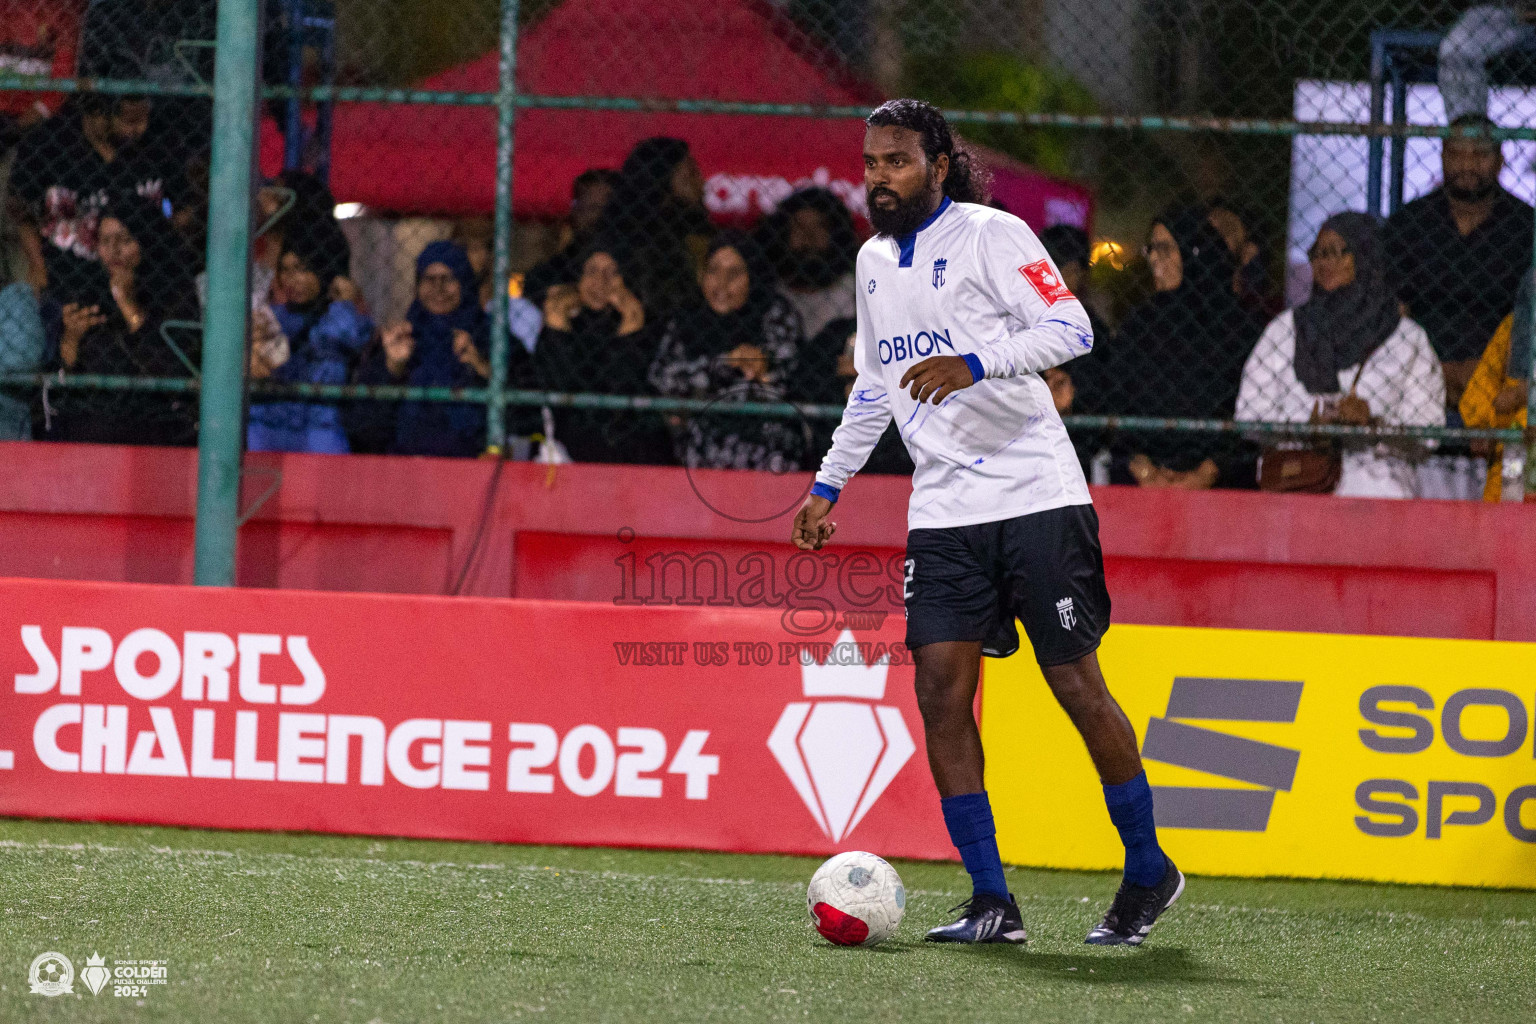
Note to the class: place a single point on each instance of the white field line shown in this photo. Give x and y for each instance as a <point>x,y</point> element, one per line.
<point>629,876</point>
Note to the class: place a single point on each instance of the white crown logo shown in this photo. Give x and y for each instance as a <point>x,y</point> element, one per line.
<point>840,755</point>
<point>856,679</point>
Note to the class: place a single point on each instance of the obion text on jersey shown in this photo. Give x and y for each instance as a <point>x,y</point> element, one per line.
<point>910,346</point>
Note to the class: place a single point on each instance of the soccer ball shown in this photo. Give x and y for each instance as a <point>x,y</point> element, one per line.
<point>856,899</point>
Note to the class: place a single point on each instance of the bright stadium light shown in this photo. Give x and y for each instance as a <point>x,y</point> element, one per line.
<point>1112,251</point>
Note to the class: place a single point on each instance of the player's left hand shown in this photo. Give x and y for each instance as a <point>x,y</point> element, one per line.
<point>936,378</point>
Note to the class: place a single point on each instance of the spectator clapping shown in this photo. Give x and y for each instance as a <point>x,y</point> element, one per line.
<point>323,330</point>
<point>738,339</point>
<point>442,342</point>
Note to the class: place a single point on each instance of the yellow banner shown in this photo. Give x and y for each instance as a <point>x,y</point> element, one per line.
<point>1290,754</point>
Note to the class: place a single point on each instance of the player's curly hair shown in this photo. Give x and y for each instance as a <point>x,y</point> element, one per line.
<point>968,181</point>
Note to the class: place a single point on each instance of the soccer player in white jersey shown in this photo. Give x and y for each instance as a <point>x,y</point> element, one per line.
<point>959,312</point>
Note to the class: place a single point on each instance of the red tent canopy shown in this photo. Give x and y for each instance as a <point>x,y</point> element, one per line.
<point>441,160</point>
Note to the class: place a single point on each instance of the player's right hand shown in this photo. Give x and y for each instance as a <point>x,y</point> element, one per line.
<point>812,528</point>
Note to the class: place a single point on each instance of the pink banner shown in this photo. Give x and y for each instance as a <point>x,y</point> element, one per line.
<point>461,718</point>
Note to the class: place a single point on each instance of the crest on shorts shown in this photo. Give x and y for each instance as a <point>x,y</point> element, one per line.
<point>1064,610</point>
<point>938,272</point>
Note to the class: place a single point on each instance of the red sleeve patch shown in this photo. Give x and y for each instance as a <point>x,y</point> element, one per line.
<point>1046,283</point>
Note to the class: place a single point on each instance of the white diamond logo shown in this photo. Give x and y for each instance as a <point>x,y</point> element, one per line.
<point>96,974</point>
<point>840,755</point>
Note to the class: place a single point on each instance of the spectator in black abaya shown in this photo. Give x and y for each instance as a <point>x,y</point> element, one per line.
<point>1250,282</point>
<point>597,339</point>
<point>1180,354</point>
<point>590,194</point>
<point>112,324</point>
<point>739,339</point>
<point>657,216</point>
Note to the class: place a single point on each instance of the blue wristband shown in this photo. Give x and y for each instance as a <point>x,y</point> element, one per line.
<point>975,364</point>
<point>827,491</point>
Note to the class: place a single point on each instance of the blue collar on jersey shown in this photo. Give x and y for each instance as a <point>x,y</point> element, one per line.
<point>907,244</point>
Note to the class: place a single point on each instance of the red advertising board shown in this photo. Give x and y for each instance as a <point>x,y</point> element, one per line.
<point>461,718</point>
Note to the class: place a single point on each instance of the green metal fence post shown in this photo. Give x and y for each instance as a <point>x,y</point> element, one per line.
<point>506,110</point>
<point>221,420</point>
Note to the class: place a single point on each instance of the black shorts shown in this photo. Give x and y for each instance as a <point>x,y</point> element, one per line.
<point>1045,569</point>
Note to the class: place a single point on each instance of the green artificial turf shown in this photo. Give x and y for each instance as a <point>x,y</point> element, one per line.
<point>292,928</point>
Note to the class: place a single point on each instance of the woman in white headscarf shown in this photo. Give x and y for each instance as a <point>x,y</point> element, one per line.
<point>1348,355</point>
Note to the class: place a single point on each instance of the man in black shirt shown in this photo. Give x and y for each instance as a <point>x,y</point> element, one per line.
<point>1457,254</point>
<point>170,42</point>
<point>69,167</point>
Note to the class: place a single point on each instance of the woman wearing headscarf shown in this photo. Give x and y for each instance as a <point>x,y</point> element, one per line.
<point>293,201</point>
<point>1180,354</point>
<point>324,338</point>
<point>657,216</point>
<point>442,342</point>
<point>1348,355</point>
<point>739,339</point>
<point>112,324</point>
<point>596,338</point>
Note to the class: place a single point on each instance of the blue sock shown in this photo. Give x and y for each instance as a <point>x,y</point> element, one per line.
<point>969,820</point>
<point>1130,808</point>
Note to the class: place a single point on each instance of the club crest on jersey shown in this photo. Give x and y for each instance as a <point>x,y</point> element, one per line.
<point>1064,610</point>
<point>938,272</point>
<point>1045,281</point>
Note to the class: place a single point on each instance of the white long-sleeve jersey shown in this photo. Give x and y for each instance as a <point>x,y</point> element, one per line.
<point>972,282</point>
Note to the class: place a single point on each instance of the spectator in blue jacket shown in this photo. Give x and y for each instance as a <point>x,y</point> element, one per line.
<point>325,334</point>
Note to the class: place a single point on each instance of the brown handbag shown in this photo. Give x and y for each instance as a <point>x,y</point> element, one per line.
<point>1314,469</point>
<point>1310,470</point>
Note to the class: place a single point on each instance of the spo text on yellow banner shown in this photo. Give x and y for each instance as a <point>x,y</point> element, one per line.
<point>1289,754</point>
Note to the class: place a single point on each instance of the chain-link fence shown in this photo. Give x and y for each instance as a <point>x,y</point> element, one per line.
<point>1300,278</point>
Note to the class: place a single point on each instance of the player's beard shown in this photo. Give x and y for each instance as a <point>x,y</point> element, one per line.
<point>903,218</point>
